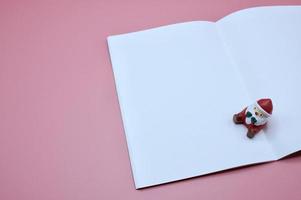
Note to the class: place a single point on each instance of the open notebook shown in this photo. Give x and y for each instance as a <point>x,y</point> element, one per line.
<point>179,86</point>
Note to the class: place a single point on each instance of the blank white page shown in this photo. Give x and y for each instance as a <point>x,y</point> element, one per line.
<point>178,91</point>
<point>265,43</point>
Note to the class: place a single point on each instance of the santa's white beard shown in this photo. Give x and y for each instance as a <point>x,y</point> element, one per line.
<point>259,120</point>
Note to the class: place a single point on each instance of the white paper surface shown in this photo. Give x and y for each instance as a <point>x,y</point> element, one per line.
<point>265,43</point>
<point>178,87</point>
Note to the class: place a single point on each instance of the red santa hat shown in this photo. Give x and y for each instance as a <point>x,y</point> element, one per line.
<point>266,106</point>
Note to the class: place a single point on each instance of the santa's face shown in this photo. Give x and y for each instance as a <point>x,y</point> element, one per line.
<point>255,116</point>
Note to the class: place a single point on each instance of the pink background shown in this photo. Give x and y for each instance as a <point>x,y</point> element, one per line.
<point>61,134</point>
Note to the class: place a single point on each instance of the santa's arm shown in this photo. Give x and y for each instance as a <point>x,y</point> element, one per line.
<point>242,113</point>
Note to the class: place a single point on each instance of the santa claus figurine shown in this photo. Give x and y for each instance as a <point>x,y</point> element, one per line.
<point>255,116</point>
